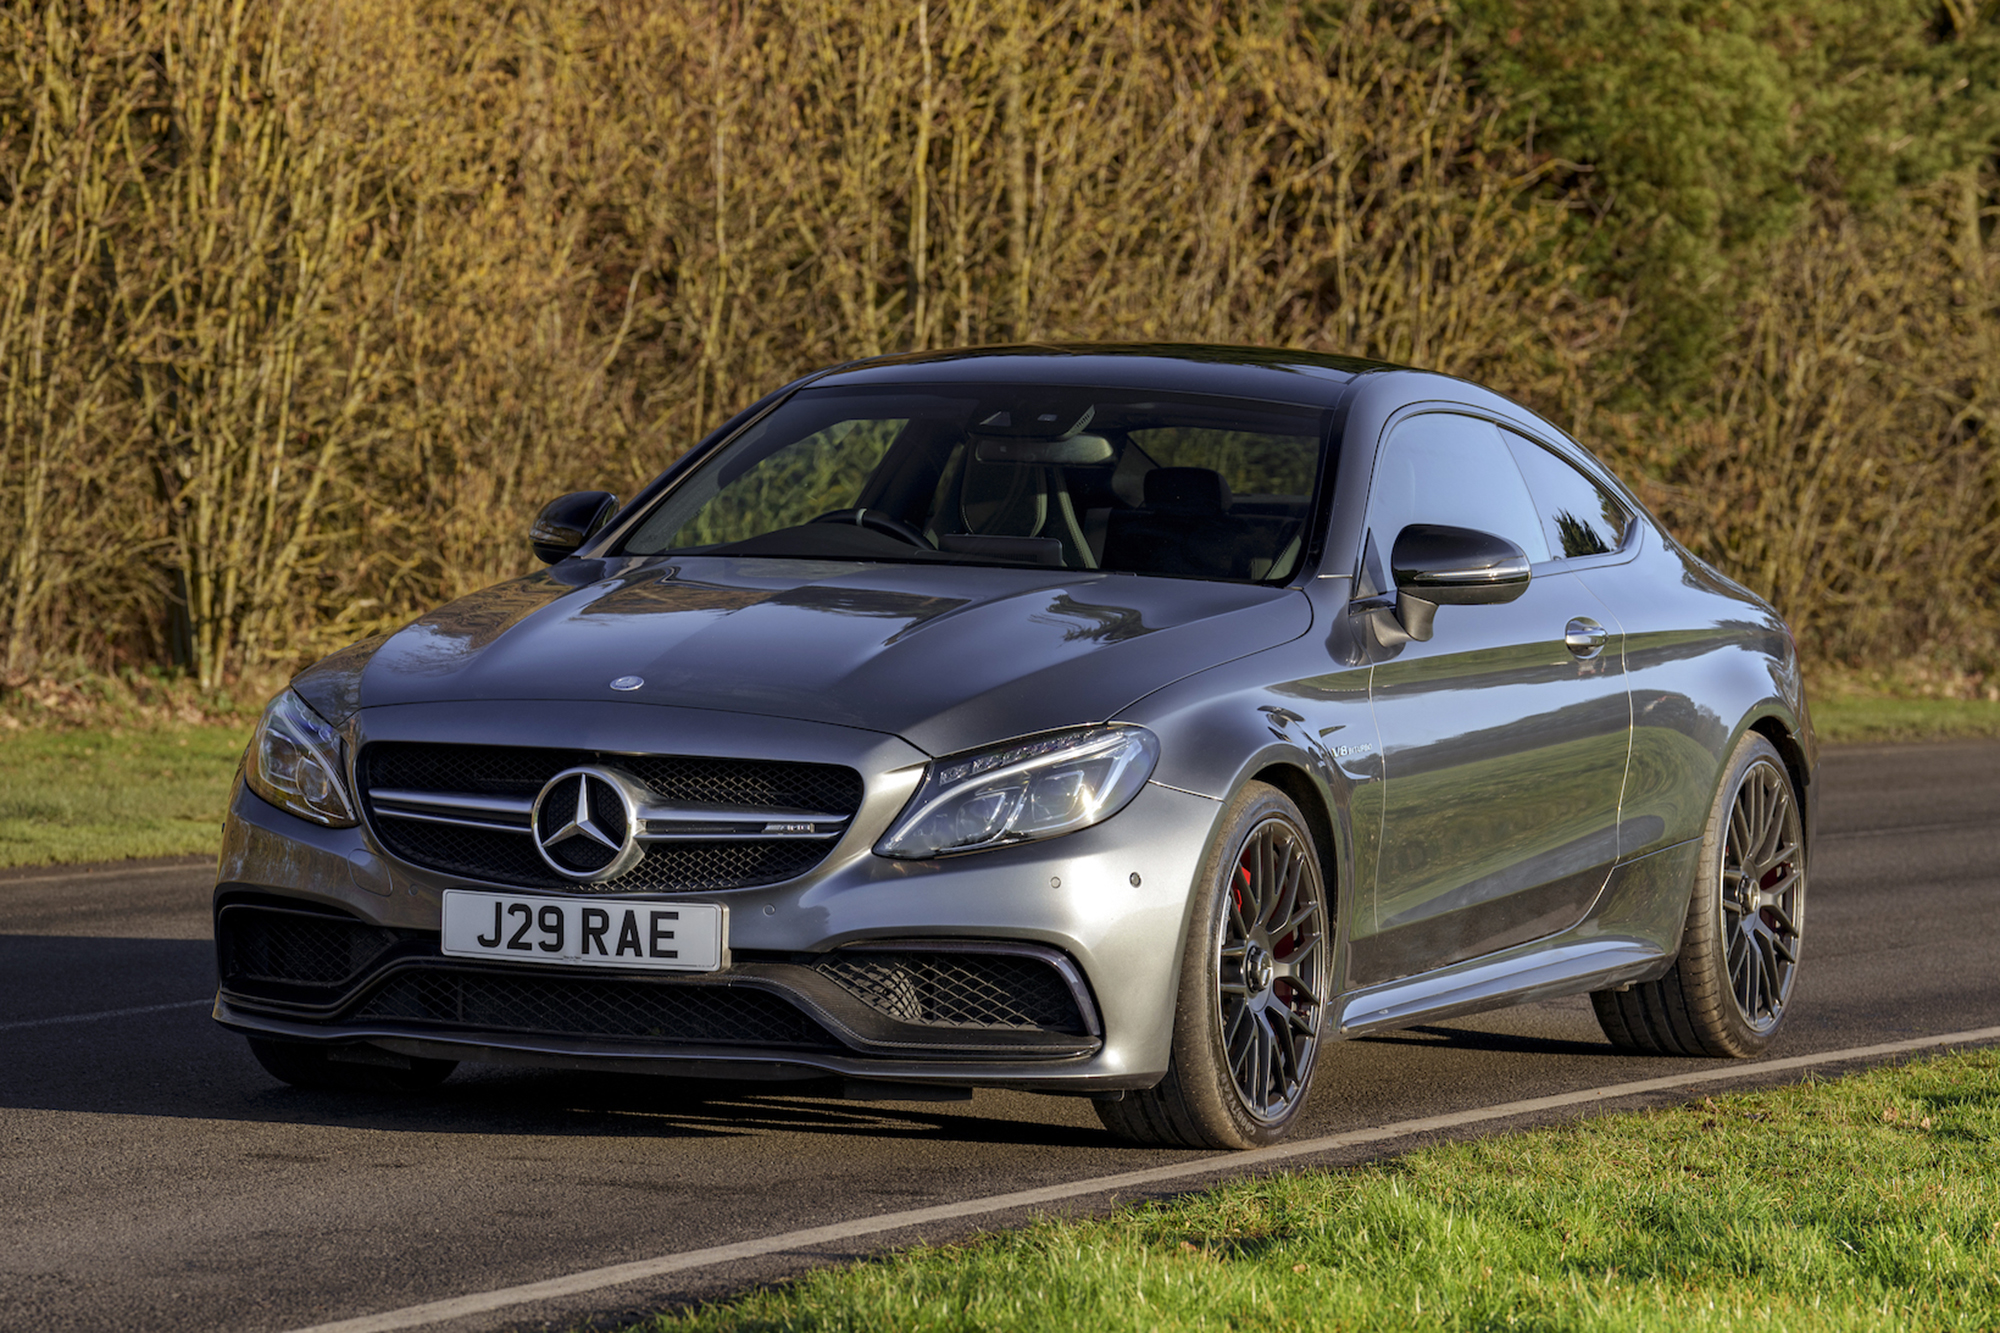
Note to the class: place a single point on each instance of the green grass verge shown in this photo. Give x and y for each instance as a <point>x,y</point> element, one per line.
<point>105,795</point>
<point>1860,720</point>
<point>1872,1202</point>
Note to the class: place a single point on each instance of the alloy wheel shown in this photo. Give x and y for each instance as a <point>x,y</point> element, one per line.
<point>1763,885</point>
<point>1271,967</point>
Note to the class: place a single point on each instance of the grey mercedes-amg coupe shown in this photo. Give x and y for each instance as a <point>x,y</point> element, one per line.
<point>1119,721</point>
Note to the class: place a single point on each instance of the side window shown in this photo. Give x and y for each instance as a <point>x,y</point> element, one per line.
<point>1577,514</point>
<point>1443,468</point>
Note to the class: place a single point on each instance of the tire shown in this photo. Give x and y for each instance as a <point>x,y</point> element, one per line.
<point>1729,989</point>
<point>1254,981</point>
<point>308,1065</point>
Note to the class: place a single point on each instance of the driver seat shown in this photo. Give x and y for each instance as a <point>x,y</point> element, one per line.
<point>1019,500</point>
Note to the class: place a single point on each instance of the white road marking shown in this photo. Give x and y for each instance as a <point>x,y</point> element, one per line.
<point>102,1013</point>
<point>593,1279</point>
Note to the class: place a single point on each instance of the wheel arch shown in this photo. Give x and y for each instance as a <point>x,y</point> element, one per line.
<point>1297,784</point>
<point>1784,738</point>
<point>1292,775</point>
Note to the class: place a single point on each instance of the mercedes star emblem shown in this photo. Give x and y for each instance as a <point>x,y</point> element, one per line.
<point>587,825</point>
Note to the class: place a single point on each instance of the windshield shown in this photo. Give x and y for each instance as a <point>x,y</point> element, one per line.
<point>1124,480</point>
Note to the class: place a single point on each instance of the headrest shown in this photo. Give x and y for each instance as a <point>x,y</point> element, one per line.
<point>1186,490</point>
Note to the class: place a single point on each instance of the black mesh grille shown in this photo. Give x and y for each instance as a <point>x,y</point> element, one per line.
<point>590,1007</point>
<point>265,944</point>
<point>513,770</point>
<point>958,990</point>
<point>510,858</point>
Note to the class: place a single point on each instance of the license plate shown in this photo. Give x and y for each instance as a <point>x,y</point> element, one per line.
<point>665,937</point>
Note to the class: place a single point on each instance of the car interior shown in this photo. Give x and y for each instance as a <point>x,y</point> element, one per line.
<point>1176,488</point>
<point>1127,513</point>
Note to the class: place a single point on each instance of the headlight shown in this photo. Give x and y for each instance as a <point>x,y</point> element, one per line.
<point>294,763</point>
<point>1036,788</point>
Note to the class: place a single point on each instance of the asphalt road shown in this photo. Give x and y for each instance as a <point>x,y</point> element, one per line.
<point>154,1177</point>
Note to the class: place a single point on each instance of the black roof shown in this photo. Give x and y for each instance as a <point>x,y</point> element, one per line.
<point>1248,372</point>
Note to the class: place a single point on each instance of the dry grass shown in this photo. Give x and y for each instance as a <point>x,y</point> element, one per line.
<point>305,308</point>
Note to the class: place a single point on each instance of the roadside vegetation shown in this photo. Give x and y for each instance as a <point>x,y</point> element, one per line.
<point>111,766</point>
<point>103,794</point>
<point>306,308</point>
<point>1873,719</point>
<point>1866,1203</point>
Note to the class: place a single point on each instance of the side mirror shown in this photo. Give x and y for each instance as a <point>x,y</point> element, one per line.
<point>568,521</point>
<point>1435,566</point>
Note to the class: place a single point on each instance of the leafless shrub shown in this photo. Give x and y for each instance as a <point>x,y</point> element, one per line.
<point>305,308</point>
<point>1846,467</point>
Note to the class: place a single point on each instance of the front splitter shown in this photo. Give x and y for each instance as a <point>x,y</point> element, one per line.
<point>759,1064</point>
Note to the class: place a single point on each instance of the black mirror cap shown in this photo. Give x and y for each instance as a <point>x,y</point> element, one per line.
<point>1449,566</point>
<point>568,521</point>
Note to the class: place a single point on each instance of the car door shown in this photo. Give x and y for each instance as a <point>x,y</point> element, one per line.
<point>1505,736</point>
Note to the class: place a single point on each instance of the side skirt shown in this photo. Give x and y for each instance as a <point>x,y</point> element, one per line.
<point>1629,935</point>
<point>1531,972</point>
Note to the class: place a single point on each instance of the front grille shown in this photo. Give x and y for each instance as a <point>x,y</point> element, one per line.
<point>507,770</point>
<point>961,990</point>
<point>593,1007</point>
<point>268,944</point>
<point>510,858</point>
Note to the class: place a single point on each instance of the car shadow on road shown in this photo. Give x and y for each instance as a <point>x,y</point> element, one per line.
<point>117,1026</point>
<point>1472,1039</point>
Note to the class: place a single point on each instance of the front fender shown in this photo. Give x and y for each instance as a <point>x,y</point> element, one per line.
<point>1295,718</point>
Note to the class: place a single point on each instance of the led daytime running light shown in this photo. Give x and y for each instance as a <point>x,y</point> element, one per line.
<point>1038,788</point>
<point>294,763</point>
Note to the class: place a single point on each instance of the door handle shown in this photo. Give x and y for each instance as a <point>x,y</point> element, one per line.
<point>1584,637</point>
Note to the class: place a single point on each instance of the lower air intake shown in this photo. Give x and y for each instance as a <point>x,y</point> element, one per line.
<point>958,990</point>
<point>590,1007</point>
<point>275,944</point>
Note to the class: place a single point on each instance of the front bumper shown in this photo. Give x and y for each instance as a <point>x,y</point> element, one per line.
<point>1102,910</point>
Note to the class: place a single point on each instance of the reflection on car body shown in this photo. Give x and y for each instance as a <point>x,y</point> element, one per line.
<point>1125,722</point>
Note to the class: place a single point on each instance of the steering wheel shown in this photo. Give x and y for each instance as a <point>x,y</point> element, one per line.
<point>875,520</point>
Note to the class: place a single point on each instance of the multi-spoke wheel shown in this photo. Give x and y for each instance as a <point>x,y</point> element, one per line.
<point>1739,958</point>
<point>1763,881</point>
<point>1253,988</point>
<point>1269,965</point>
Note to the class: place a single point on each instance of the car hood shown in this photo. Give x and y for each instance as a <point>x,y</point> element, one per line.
<point>945,657</point>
